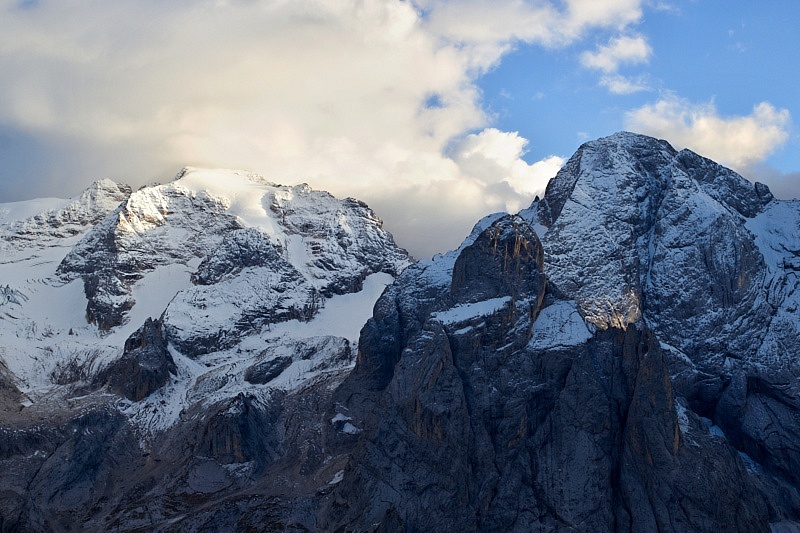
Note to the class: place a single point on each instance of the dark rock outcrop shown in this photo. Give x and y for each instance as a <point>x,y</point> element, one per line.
<point>145,366</point>
<point>505,260</point>
<point>66,466</point>
<point>760,415</point>
<point>242,430</point>
<point>266,371</point>
<point>10,396</point>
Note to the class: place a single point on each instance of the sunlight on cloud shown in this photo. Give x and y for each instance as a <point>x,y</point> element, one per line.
<point>373,98</point>
<point>737,141</point>
<point>488,29</point>
<point>492,153</point>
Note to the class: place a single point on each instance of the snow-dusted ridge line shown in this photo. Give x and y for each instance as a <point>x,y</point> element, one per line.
<point>209,246</point>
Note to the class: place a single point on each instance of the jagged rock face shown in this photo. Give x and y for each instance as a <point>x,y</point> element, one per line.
<point>67,464</point>
<point>239,249</point>
<point>269,253</point>
<point>156,226</point>
<point>401,312</point>
<point>696,251</point>
<point>502,416</point>
<point>595,363</point>
<point>242,432</point>
<point>145,366</point>
<point>248,274</point>
<point>668,320</point>
<point>633,226</point>
<point>261,290</point>
<point>505,260</point>
<point>759,414</point>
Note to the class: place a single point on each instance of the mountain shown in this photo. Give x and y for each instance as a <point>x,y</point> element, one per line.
<point>620,356</point>
<point>158,335</point>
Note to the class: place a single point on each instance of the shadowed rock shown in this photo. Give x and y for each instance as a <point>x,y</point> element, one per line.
<point>144,367</point>
<point>266,371</point>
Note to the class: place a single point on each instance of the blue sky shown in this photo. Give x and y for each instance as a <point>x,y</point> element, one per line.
<point>435,112</point>
<point>725,57</point>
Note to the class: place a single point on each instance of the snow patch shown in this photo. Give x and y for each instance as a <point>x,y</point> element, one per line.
<point>464,312</point>
<point>683,417</point>
<point>340,418</point>
<point>350,429</point>
<point>559,324</point>
<point>19,211</point>
<point>713,428</point>
<point>343,315</point>
<point>337,478</point>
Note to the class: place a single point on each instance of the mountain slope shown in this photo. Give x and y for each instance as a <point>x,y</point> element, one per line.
<point>661,361</point>
<point>164,334</point>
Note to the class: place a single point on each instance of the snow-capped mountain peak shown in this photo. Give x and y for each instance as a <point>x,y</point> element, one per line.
<point>219,255</point>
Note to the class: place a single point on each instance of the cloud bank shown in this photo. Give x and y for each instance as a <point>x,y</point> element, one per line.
<point>369,98</point>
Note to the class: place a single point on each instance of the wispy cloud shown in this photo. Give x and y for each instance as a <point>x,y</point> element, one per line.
<point>667,7</point>
<point>620,51</point>
<point>625,50</point>
<point>618,84</point>
<point>736,141</point>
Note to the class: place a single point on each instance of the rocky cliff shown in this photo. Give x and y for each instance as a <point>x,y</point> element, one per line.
<point>657,360</point>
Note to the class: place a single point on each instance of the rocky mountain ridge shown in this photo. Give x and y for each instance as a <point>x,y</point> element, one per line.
<point>646,373</point>
<point>593,363</point>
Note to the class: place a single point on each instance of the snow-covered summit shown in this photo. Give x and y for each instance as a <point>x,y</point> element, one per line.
<point>217,256</point>
<point>633,229</point>
<point>330,245</point>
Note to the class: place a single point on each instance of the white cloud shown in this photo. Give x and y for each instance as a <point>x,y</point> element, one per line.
<point>625,50</point>
<point>487,29</point>
<point>618,84</point>
<point>331,92</point>
<point>614,14</point>
<point>666,7</point>
<point>494,156</point>
<point>737,141</point>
